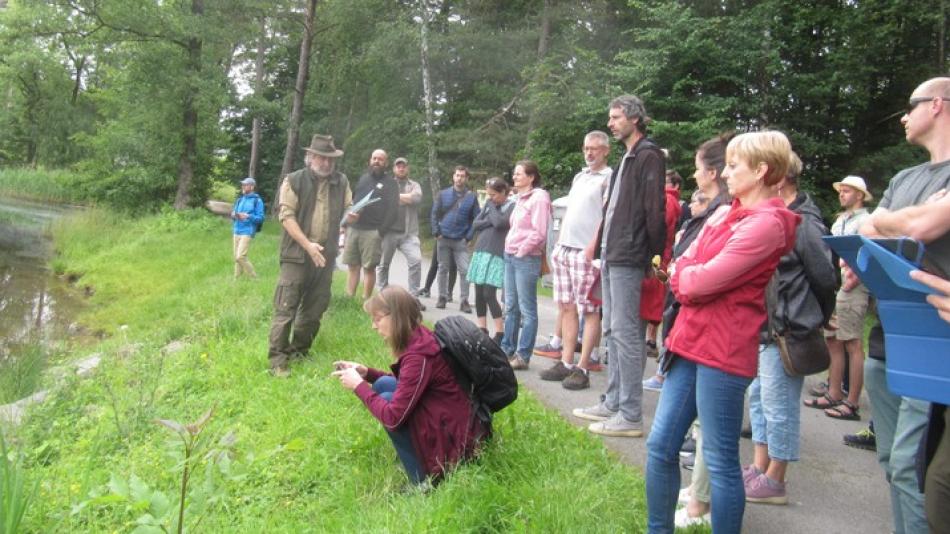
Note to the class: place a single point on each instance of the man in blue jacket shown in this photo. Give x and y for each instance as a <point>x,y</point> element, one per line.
<point>247,214</point>
<point>453,212</point>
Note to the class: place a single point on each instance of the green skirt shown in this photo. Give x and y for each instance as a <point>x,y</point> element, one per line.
<point>486,269</point>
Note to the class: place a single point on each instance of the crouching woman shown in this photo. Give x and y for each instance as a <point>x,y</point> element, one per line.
<point>427,415</point>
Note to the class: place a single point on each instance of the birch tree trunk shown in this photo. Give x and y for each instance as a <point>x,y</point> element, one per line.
<point>427,96</point>
<point>258,90</point>
<point>543,42</point>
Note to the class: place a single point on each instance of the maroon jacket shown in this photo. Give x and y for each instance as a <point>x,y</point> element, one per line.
<point>428,399</point>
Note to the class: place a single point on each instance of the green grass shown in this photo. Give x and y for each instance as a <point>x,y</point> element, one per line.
<point>308,456</point>
<point>38,184</point>
<point>21,371</point>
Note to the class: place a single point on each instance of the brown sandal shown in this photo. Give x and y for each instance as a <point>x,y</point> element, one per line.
<point>823,402</point>
<point>845,410</point>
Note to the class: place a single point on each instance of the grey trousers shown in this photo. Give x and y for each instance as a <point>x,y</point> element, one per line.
<point>411,249</point>
<point>301,297</point>
<point>623,332</point>
<point>457,249</point>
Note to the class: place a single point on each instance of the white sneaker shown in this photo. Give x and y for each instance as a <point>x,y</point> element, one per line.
<point>683,498</point>
<point>682,519</point>
<point>598,412</point>
<point>618,427</point>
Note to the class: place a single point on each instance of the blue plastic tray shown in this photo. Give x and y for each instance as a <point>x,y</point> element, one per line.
<point>916,340</point>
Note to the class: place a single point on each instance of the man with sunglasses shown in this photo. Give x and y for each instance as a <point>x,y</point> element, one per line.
<point>899,422</point>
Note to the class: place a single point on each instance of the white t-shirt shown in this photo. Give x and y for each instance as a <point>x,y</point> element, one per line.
<point>585,207</point>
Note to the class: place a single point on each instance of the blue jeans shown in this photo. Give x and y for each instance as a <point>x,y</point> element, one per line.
<point>775,406</point>
<point>401,437</point>
<point>717,397</point>
<point>624,335</point>
<point>521,304</point>
<point>899,423</point>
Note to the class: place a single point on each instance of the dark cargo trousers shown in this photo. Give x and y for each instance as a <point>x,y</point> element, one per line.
<point>302,295</point>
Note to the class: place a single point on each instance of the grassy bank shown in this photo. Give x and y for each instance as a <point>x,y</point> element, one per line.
<point>38,184</point>
<point>296,455</point>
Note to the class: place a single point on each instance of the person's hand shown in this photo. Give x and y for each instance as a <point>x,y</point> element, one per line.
<point>349,378</point>
<point>936,196</point>
<point>352,217</point>
<point>941,302</point>
<point>341,365</point>
<point>242,216</point>
<point>589,251</point>
<point>316,254</point>
<point>849,280</point>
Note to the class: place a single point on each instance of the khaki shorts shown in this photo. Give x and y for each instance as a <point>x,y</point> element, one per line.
<point>850,309</point>
<point>363,247</point>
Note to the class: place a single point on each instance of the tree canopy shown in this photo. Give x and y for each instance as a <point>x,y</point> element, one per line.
<point>151,102</point>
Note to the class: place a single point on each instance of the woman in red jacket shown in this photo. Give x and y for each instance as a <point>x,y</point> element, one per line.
<point>425,412</point>
<point>720,282</point>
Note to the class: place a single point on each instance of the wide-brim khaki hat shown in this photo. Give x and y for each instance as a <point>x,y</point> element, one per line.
<point>322,145</point>
<point>856,182</point>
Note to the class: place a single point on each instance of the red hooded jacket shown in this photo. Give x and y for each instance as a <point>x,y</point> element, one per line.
<point>720,282</point>
<point>428,399</point>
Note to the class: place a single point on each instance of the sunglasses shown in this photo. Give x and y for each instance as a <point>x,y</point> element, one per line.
<point>914,102</point>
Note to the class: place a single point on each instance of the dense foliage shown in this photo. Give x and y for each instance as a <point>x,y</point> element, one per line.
<point>153,101</point>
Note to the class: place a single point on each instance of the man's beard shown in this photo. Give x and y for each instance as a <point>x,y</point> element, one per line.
<point>377,171</point>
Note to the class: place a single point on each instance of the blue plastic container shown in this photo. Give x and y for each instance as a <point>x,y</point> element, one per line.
<point>916,340</point>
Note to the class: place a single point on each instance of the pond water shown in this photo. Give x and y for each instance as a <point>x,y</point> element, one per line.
<point>36,307</point>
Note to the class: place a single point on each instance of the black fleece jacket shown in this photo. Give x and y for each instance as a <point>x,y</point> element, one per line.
<point>638,227</point>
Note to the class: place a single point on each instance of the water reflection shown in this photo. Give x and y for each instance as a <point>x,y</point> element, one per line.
<point>34,305</point>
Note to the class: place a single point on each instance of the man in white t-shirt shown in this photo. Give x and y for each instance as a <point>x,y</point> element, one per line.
<point>573,273</point>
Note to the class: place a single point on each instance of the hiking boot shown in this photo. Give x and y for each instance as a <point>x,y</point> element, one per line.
<point>518,363</point>
<point>598,412</point>
<point>653,384</point>
<point>281,371</point>
<point>577,380</point>
<point>618,427</point>
<point>682,519</point>
<point>555,373</point>
<point>863,439</point>
<point>763,490</point>
<point>422,293</point>
<point>548,351</point>
<point>465,307</point>
<point>440,304</point>
<point>449,299</point>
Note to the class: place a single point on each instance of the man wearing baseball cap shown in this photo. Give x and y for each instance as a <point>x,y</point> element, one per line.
<point>845,342</point>
<point>312,202</point>
<point>400,230</point>
<point>247,214</point>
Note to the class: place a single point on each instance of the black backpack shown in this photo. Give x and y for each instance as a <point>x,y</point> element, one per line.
<point>479,364</point>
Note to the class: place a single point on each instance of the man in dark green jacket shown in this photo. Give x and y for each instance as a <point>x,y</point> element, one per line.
<point>312,203</point>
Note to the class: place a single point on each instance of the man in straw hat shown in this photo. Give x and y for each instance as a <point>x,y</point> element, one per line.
<point>312,203</point>
<point>846,340</point>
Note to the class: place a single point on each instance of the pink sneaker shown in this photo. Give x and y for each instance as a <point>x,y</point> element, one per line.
<point>762,490</point>
<point>749,472</point>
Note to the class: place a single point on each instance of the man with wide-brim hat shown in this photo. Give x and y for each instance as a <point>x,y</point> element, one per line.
<point>313,201</point>
<point>854,182</point>
<point>846,341</point>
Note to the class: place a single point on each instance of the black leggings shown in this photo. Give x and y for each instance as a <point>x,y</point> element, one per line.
<point>434,270</point>
<point>485,297</point>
